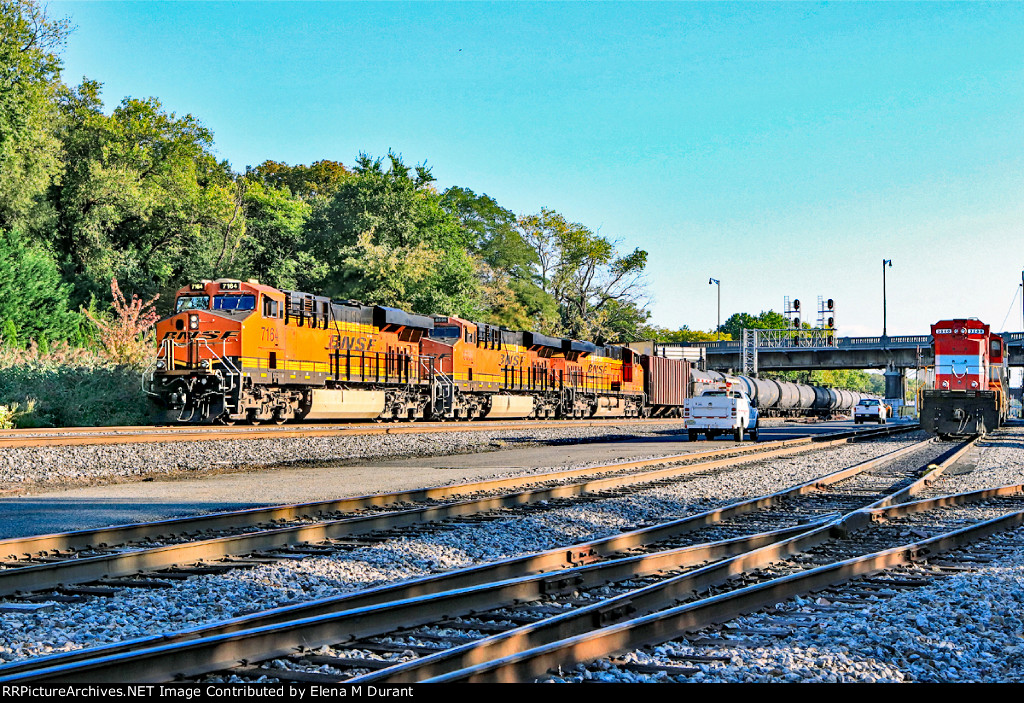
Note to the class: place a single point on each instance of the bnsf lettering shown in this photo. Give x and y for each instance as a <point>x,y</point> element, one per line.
<point>346,343</point>
<point>970,331</point>
<point>511,359</point>
<point>944,331</point>
<point>212,335</point>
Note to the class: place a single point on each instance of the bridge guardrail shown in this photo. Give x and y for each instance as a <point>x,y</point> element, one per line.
<point>901,341</point>
<point>841,343</point>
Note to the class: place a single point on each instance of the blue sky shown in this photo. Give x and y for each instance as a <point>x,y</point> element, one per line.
<point>785,149</point>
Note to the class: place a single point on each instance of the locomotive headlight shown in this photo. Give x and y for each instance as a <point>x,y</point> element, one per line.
<point>161,365</point>
<point>945,384</point>
<point>204,364</point>
<point>193,322</point>
<point>974,384</point>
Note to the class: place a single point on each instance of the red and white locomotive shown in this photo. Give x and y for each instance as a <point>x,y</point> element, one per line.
<point>969,393</point>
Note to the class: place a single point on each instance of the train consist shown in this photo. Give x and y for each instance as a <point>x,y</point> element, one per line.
<point>969,390</point>
<point>781,397</point>
<point>240,351</point>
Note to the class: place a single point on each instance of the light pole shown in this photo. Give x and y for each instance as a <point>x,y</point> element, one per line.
<point>884,330</point>
<point>719,325</point>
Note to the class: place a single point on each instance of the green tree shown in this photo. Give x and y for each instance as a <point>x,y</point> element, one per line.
<point>29,85</point>
<point>33,299</point>
<point>381,215</point>
<point>737,322</point>
<point>275,244</point>
<point>509,290</point>
<point>142,199</point>
<point>683,334</point>
<point>850,379</point>
<point>599,293</point>
<point>320,179</point>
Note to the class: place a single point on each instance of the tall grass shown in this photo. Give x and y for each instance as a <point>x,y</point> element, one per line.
<point>69,387</point>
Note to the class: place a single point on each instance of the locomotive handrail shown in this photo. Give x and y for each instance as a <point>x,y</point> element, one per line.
<point>150,372</point>
<point>233,374</point>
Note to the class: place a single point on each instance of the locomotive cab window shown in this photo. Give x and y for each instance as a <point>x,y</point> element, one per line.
<point>192,302</point>
<point>445,332</point>
<point>271,307</point>
<point>234,302</point>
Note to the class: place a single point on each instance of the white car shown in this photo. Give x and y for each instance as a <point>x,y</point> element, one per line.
<point>716,412</point>
<point>870,410</point>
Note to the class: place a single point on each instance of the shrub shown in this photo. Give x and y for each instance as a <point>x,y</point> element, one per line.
<point>69,387</point>
<point>124,336</point>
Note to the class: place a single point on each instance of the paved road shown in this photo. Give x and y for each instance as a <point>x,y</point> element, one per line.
<point>99,506</point>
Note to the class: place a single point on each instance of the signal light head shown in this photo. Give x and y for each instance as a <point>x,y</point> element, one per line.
<point>831,322</point>
<point>830,304</point>
<point>796,304</point>
<point>796,321</point>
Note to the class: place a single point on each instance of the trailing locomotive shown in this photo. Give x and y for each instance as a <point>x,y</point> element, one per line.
<point>969,391</point>
<point>240,351</point>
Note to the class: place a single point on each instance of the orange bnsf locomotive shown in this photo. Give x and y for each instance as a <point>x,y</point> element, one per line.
<point>236,351</point>
<point>969,393</point>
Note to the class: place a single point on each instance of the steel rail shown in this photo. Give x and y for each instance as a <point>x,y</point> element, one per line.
<point>13,547</point>
<point>377,610</point>
<point>226,650</point>
<point>44,576</point>
<point>120,534</point>
<point>667,593</point>
<point>527,662</point>
<point>930,476</point>
<point>127,435</point>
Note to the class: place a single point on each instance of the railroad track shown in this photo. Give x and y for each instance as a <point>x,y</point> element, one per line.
<point>870,544</point>
<point>99,561</point>
<point>156,434</point>
<point>660,546</point>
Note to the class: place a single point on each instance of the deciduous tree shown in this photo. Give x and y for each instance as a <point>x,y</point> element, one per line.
<point>389,212</point>
<point>509,291</point>
<point>600,294</point>
<point>142,197</point>
<point>30,82</point>
<point>766,320</point>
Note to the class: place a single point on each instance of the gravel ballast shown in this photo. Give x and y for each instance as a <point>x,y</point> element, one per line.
<point>963,628</point>
<point>203,599</point>
<point>75,465</point>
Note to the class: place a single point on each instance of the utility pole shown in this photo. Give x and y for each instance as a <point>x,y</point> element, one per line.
<point>884,311</point>
<point>718,326</point>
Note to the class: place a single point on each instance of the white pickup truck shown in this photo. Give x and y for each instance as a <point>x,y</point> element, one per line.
<point>716,412</point>
<point>870,410</point>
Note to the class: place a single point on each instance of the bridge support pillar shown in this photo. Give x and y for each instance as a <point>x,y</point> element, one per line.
<point>895,383</point>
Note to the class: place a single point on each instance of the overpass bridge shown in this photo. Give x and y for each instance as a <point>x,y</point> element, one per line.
<point>818,350</point>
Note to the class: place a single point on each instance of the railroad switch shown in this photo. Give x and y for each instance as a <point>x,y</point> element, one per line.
<point>613,613</point>
<point>561,585</point>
